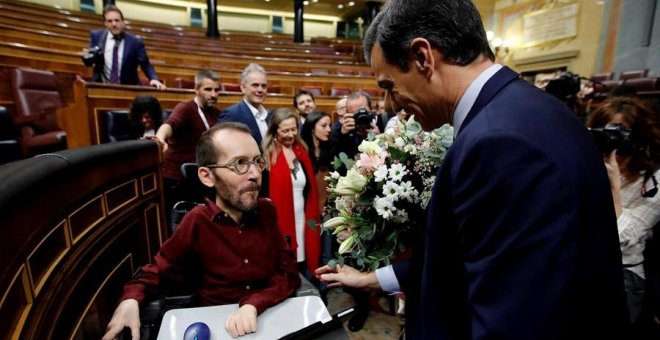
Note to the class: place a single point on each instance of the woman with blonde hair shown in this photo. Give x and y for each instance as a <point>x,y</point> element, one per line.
<point>293,189</point>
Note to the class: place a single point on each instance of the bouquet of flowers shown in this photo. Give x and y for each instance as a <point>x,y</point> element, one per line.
<point>382,199</point>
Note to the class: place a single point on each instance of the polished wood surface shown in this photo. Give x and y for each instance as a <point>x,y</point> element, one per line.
<point>75,226</point>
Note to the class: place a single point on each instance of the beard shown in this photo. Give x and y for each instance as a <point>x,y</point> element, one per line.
<point>244,200</point>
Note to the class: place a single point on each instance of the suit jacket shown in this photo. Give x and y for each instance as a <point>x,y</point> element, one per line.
<point>135,54</point>
<point>521,240</point>
<point>240,113</point>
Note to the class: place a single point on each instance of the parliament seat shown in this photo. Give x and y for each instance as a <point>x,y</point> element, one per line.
<point>643,84</point>
<point>599,77</point>
<point>373,93</point>
<point>36,96</point>
<point>184,83</point>
<point>314,90</point>
<point>625,75</point>
<point>340,91</point>
<point>117,126</point>
<point>230,87</point>
<point>10,150</point>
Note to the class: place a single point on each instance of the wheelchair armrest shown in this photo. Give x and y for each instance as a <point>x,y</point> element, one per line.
<point>151,315</point>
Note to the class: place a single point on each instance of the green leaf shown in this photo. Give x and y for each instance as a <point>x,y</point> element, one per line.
<point>311,224</point>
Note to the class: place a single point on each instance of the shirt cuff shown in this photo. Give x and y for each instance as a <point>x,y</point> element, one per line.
<point>387,280</point>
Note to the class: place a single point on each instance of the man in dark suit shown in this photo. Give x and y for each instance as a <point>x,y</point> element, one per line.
<point>118,54</point>
<point>521,239</point>
<point>250,111</point>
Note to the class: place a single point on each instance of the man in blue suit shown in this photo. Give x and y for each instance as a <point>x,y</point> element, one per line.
<point>521,239</point>
<point>118,54</point>
<point>250,111</point>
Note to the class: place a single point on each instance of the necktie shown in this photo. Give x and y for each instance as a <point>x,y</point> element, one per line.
<point>114,71</point>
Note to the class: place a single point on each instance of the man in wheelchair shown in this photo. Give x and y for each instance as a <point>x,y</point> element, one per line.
<point>230,250</point>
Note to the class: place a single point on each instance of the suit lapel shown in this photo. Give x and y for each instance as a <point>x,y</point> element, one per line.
<point>502,77</point>
<point>252,122</point>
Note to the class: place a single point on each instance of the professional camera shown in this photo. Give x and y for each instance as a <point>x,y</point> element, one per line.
<point>93,54</point>
<point>613,136</point>
<point>363,118</point>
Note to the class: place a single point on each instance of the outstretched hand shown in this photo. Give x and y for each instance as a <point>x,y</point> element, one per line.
<point>348,277</point>
<point>127,314</point>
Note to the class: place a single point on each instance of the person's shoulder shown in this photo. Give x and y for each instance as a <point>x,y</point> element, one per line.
<point>234,109</point>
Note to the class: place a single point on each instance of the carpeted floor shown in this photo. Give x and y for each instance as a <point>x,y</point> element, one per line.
<point>381,324</point>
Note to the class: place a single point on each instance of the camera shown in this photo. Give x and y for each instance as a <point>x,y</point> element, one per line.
<point>93,53</point>
<point>611,137</point>
<point>363,118</point>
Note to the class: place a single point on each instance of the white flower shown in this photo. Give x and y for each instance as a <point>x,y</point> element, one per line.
<point>334,175</point>
<point>334,222</point>
<point>381,173</point>
<point>407,191</point>
<point>352,183</point>
<point>410,148</point>
<point>391,190</point>
<point>371,148</point>
<point>400,216</point>
<point>384,207</point>
<point>399,142</point>
<point>397,171</point>
<point>347,245</point>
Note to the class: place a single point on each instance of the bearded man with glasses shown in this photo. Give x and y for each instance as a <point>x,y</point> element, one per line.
<point>232,249</point>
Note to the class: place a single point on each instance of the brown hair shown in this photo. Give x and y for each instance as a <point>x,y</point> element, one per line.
<point>639,117</point>
<point>112,8</point>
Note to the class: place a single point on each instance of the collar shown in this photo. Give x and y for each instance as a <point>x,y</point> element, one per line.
<point>220,216</point>
<point>470,96</point>
<point>259,113</point>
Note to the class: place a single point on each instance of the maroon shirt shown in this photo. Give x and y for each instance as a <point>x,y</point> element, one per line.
<point>247,263</point>
<point>187,127</point>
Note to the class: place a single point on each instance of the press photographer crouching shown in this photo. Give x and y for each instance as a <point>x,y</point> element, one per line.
<point>628,133</point>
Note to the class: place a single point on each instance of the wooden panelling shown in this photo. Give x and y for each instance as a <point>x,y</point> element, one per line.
<point>72,287</point>
<point>15,304</point>
<point>86,218</point>
<point>121,195</point>
<point>148,183</point>
<point>47,255</point>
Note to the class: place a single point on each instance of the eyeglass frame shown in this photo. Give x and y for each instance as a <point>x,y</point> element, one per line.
<point>233,166</point>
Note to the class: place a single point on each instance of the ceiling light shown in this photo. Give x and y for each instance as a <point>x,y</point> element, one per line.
<point>315,1</point>
<point>340,6</point>
<point>305,2</point>
<point>351,3</point>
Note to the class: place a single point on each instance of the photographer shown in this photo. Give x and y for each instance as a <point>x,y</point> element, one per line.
<point>116,54</point>
<point>357,123</point>
<point>628,133</point>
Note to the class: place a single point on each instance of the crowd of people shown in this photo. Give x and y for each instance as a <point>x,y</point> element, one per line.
<point>521,241</point>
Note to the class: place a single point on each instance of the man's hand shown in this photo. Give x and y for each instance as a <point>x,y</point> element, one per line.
<point>157,84</point>
<point>127,314</point>
<point>347,276</point>
<point>243,321</point>
<point>348,124</point>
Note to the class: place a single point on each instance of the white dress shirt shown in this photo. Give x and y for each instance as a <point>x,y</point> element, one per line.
<point>260,115</point>
<point>107,55</point>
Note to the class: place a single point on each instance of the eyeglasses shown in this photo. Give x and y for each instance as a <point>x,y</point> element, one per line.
<point>241,166</point>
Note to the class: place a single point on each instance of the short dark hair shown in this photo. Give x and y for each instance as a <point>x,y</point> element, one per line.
<point>453,27</point>
<point>301,93</point>
<point>206,151</point>
<point>112,8</point>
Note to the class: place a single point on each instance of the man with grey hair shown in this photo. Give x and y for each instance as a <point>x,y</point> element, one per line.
<point>179,134</point>
<point>521,238</point>
<point>250,111</point>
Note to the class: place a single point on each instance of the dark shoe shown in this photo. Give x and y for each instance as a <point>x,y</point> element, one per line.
<point>357,321</point>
